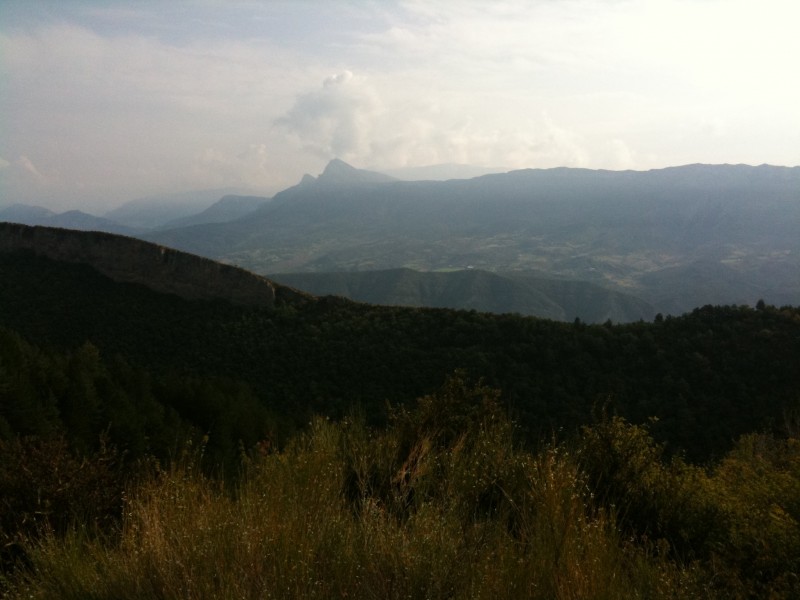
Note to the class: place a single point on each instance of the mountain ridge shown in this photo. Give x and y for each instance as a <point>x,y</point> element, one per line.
<point>523,293</point>
<point>339,172</point>
<point>612,228</point>
<point>130,260</point>
<point>26,214</point>
<point>154,211</point>
<point>228,208</point>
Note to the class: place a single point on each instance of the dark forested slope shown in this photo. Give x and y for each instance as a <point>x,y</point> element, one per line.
<point>162,269</point>
<point>707,376</point>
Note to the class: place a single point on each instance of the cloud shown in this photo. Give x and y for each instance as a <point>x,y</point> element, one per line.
<point>655,66</point>
<point>253,167</point>
<point>22,170</point>
<point>21,176</point>
<point>619,155</point>
<point>336,120</point>
<point>115,102</point>
<point>372,121</point>
<point>115,117</point>
<point>462,83</point>
<point>25,163</point>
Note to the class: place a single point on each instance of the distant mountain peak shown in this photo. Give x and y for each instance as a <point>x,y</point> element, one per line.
<point>23,213</point>
<point>337,165</point>
<point>338,172</point>
<point>71,219</point>
<point>308,180</point>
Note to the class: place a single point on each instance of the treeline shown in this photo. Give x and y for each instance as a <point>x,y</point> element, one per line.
<point>708,377</point>
<point>443,502</point>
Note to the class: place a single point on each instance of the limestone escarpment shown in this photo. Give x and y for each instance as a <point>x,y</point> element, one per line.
<point>161,269</point>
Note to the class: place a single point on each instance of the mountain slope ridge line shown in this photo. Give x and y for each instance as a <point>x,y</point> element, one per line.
<point>162,269</point>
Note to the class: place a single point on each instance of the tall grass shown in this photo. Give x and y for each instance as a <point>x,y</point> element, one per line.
<point>442,504</point>
<point>348,513</point>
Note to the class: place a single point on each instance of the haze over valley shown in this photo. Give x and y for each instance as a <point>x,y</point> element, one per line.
<point>556,243</point>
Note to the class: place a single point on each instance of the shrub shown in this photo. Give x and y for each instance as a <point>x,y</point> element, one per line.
<point>46,488</point>
<point>758,486</point>
<point>486,520</point>
<point>655,500</point>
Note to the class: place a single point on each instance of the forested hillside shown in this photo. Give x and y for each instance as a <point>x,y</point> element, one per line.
<point>707,376</point>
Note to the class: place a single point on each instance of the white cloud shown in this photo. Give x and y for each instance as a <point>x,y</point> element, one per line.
<point>337,120</point>
<point>633,70</point>
<point>349,117</point>
<point>619,155</point>
<point>111,118</point>
<point>113,103</point>
<point>22,174</point>
<point>25,163</point>
<point>252,167</point>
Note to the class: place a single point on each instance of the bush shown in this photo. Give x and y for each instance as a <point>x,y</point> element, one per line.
<point>758,486</point>
<point>46,488</point>
<point>485,520</point>
<point>655,500</point>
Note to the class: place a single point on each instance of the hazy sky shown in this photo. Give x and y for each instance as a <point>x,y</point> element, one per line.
<point>104,101</point>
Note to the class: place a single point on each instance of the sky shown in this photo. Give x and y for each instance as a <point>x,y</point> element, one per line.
<point>105,101</point>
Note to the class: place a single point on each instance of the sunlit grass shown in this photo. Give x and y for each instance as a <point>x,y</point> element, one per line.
<point>492,522</point>
<point>442,504</point>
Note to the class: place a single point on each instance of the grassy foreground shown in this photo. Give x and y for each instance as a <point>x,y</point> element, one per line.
<point>443,504</point>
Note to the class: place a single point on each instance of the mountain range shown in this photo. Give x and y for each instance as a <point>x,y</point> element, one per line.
<point>675,238</point>
<point>558,243</point>
<point>154,212</point>
<point>24,214</point>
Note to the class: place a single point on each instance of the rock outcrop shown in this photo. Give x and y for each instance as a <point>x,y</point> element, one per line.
<point>159,268</point>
